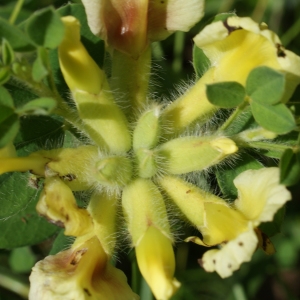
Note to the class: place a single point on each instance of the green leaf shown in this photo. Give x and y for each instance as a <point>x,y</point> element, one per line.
<point>21,260</point>
<point>17,39</point>
<point>290,168</point>
<point>8,55</point>
<point>4,75</point>
<point>20,224</point>
<point>227,174</point>
<point>40,106</point>
<point>212,287</point>
<point>9,125</point>
<point>243,122</point>
<point>277,118</point>
<point>200,61</point>
<point>5,98</point>
<point>223,17</point>
<point>39,67</point>
<point>227,94</point>
<point>265,85</point>
<point>62,242</point>
<point>45,28</point>
<point>274,227</point>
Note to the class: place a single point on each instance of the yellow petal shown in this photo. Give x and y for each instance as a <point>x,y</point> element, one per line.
<point>35,163</point>
<point>223,223</point>
<point>103,209</point>
<point>57,203</point>
<point>156,262</point>
<point>260,194</point>
<point>229,258</point>
<point>238,45</point>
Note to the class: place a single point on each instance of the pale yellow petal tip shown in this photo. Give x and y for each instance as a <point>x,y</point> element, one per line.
<point>156,262</point>
<point>260,194</point>
<point>225,145</point>
<point>229,258</point>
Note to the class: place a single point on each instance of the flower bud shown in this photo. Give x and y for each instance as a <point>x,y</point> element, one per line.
<point>143,205</point>
<point>187,154</point>
<point>79,70</point>
<point>106,123</point>
<point>147,130</point>
<point>146,163</point>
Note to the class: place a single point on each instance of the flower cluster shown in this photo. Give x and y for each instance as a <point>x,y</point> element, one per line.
<point>138,156</point>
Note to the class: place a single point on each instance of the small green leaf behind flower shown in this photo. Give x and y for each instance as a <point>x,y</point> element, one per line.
<point>40,106</point>
<point>266,87</point>
<point>225,94</point>
<point>51,28</point>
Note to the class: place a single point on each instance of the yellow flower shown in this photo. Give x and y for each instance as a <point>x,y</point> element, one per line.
<point>238,45</point>
<point>260,195</point>
<point>82,273</point>
<point>129,26</point>
<point>234,47</point>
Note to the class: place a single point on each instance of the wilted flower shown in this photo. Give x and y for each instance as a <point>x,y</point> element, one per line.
<point>82,272</point>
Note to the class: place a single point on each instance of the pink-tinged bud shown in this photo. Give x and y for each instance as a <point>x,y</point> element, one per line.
<point>130,25</point>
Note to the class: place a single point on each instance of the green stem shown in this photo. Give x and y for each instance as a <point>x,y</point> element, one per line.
<point>16,11</point>
<point>233,116</point>
<point>14,285</point>
<point>239,292</point>
<point>289,35</point>
<point>178,49</point>
<point>259,10</point>
<point>157,50</point>
<point>130,79</point>
<point>268,146</point>
<point>145,292</point>
<point>182,254</point>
